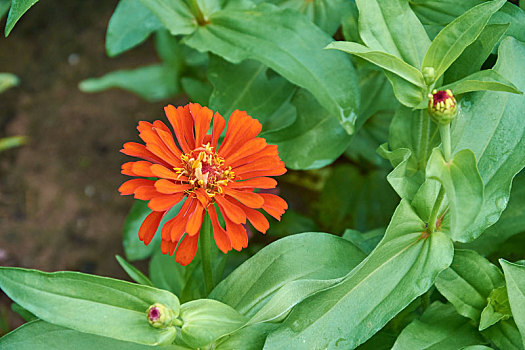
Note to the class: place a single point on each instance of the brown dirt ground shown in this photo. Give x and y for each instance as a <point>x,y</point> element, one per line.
<point>59,207</point>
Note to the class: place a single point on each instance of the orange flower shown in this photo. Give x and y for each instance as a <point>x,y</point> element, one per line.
<point>207,175</point>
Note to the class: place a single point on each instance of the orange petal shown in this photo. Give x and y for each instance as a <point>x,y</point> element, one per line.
<point>134,149</point>
<point>182,124</point>
<point>258,182</point>
<point>168,187</point>
<point>145,193</point>
<point>202,118</point>
<point>167,138</point>
<point>265,163</point>
<point>231,210</point>
<point>167,247</point>
<point>130,186</point>
<point>274,205</point>
<point>155,145</point>
<point>268,151</point>
<point>257,219</point>
<point>219,234</point>
<point>251,147</point>
<point>165,202</point>
<point>218,126</point>
<point>259,173</point>
<point>126,169</point>
<point>149,226</point>
<point>237,234</point>
<point>194,223</point>
<point>163,172</point>
<point>241,128</point>
<point>178,226</point>
<point>142,168</point>
<point>187,249</point>
<point>249,199</point>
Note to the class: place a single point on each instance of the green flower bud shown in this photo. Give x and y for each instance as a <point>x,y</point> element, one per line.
<point>429,74</point>
<point>442,106</point>
<point>160,316</point>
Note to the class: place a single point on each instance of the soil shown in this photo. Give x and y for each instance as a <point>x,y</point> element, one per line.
<point>59,205</point>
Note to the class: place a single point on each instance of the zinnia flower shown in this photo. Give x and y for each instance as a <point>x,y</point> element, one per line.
<point>208,176</point>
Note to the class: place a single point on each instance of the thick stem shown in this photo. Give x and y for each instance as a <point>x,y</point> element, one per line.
<point>205,245</point>
<point>435,210</point>
<point>444,131</point>
<point>196,10</point>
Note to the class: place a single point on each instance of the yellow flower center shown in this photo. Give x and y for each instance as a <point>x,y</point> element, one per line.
<point>205,169</point>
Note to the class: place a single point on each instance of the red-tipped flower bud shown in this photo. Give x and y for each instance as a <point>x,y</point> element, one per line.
<point>160,316</point>
<point>442,106</point>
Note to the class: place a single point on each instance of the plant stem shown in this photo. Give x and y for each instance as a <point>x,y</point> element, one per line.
<point>196,10</point>
<point>444,131</point>
<point>435,210</point>
<point>205,245</point>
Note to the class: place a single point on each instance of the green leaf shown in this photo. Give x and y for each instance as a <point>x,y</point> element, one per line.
<point>391,26</point>
<point>45,336</point>
<point>473,57</point>
<point>135,274</point>
<point>291,45</point>
<point>310,255</point>
<point>480,81</point>
<point>4,7</point>
<point>314,140</point>
<point>12,142</point>
<point>26,315</point>
<point>18,8</point>
<point>409,89</point>
<point>402,267</point>
<point>249,86</point>
<point>439,328</point>
<point>504,335</point>
<point>198,91</point>
<point>511,222</point>
<point>153,83</point>
<point>497,309</point>
<point>326,14</point>
<point>207,320</point>
<point>515,280</point>
<point>353,199</point>
<point>96,305</point>
<point>455,37</point>
<point>248,338</point>
<point>499,144</point>
<point>174,15</point>
<point>7,80</point>
<point>366,241</point>
<point>463,188</point>
<point>468,282</point>
<point>129,26</point>
<point>134,248</point>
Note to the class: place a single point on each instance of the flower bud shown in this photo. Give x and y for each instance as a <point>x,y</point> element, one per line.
<point>442,106</point>
<point>160,316</point>
<point>429,75</point>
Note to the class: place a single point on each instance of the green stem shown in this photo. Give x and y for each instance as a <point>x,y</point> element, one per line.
<point>444,131</point>
<point>435,210</point>
<point>205,245</point>
<point>196,10</point>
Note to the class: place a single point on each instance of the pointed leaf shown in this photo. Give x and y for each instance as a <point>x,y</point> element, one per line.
<point>135,274</point>
<point>17,10</point>
<point>174,15</point>
<point>482,80</point>
<point>515,279</point>
<point>460,33</point>
<point>290,44</point>
<point>7,80</point>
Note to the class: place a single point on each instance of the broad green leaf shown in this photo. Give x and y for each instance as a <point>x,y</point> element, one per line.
<point>515,280</point>
<point>174,15</point>
<point>4,7</point>
<point>26,315</point>
<point>402,267</point>
<point>409,89</point>
<point>350,28</point>
<point>353,199</point>
<point>326,14</point>
<point>480,81</point>
<point>463,188</point>
<point>7,80</point>
<point>468,282</point>
<point>412,137</point>
<point>198,91</point>
<point>439,328</point>
<point>366,241</point>
<point>511,222</point>
<point>455,37</point>
<point>391,26</point>
<point>504,335</point>
<point>291,45</point>
<point>248,338</point>
<point>382,340</point>
<point>130,25</point>
<point>207,320</point>
<point>303,256</point>
<point>497,309</point>
<point>135,274</point>
<point>249,86</point>
<point>152,83</point>
<point>491,125</point>
<point>17,10</point>
<point>46,336</point>
<point>292,222</point>
<point>12,142</point>
<point>96,305</point>
<point>473,57</point>
<point>314,140</point>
